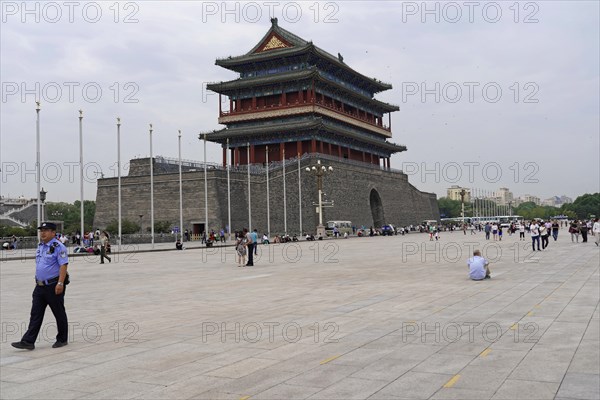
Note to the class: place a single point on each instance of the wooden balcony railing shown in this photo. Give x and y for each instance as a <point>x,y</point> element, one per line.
<point>279,106</point>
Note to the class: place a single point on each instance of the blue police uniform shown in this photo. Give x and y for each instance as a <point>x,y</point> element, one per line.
<point>49,257</point>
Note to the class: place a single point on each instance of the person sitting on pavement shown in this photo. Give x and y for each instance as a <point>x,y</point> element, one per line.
<point>478,267</point>
<point>265,239</point>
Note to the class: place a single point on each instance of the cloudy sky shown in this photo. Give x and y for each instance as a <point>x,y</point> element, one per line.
<point>491,94</point>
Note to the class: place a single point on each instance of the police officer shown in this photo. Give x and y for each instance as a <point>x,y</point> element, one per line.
<point>51,276</point>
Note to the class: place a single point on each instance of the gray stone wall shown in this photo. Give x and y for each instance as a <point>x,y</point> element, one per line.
<point>349,186</point>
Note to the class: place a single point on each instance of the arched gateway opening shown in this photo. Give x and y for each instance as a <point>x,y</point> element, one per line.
<point>376,209</point>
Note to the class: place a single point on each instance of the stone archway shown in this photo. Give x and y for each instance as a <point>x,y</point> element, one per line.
<point>376,209</point>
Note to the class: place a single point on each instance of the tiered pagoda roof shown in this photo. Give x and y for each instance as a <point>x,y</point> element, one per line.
<point>281,63</point>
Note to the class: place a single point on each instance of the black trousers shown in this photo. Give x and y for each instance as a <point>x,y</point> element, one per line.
<point>251,253</point>
<point>44,296</point>
<point>584,235</point>
<point>545,241</point>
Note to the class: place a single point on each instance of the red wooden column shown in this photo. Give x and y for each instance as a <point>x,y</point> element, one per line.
<point>220,110</point>
<point>300,96</point>
<point>236,156</point>
<point>371,154</point>
<point>313,145</point>
<point>389,163</point>
<point>224,157</point>
<point>254,102</point>
<point>251,154</point>
<point>339,151</point>
<point>349,154</point>
<point>321,147</point>
<point>330,152</point>
<point>299,147</point>
<point>283,99</point>
<point>364,157</point>
<point>230,105</point>
<point>281,151</point>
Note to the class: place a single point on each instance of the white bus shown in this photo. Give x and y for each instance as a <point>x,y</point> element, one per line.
<point>342,227</point>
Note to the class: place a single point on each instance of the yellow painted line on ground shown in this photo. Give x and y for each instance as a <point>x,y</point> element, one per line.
<point>537,306</point>
<point>485,352</point>
<point>452,381</point>
<point>244,398</point>
<point>329,359</point>
<point>514,327</point>
<point>530,313</point>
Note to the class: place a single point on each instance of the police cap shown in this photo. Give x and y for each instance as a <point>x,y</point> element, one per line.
<point>47,225</point>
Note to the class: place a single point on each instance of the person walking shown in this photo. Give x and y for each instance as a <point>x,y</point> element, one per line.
<point>240,247</point>
<point>583,229</point>
<point>534,230</point>
<point>250,245</point>
<point>51,261</point>
<point>255,241</point>
<point>596,231</point>
<point>521,231</point>
<point>574,231</point>
<point>544,234</point>
<point>555,228</point>
<point>104,238</point>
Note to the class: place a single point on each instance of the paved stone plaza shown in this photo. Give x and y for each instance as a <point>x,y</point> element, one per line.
<point>364,318</point>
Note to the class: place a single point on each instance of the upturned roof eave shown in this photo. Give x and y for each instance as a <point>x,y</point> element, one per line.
<point>222,135</point>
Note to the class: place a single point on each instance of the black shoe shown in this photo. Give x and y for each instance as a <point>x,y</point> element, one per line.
<point>58,344</point>
<point>23,345</point>
<point>249,265</point>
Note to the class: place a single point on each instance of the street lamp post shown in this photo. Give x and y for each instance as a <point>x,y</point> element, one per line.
<point>319,171</point>
<point>42,200</point>
<point>510,208</point>
<point>462,193</point>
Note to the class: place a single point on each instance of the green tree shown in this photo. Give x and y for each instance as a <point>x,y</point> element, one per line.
<point>127,227</point>
<point>162,227</point>
<point>584,206</point>
<point>449,208</point>
<point>70,215</point>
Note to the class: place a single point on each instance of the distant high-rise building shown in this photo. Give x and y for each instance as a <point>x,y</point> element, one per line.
<point>503,197</point>
<point>529,198</point>
<point>565,200</point>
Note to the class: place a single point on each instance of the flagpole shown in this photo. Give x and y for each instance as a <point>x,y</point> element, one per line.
<point>180,194</point>
<point>249,195</point>
<point>81,210</point>
<point>268,199</point>
<point>299,195</point>
<point>151,190</point>
<point>228,193</point>
<point>284,197</point>
<point>205,191</point>
<point>37,167</point>
<point>119,178</point>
